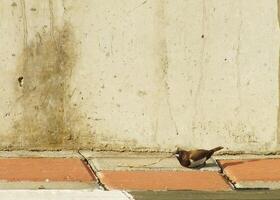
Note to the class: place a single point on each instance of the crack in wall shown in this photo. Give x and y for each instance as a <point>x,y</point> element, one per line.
<point>25,37</point>
<point>201,64</point>
<point>165,64</point>
<point>25,30</point>
<point>138,6</point>
<point>237,57</point>
<point>163,56</point>
<point>51,18</point>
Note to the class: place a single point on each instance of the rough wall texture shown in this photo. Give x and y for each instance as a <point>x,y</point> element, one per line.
<point>142,74</point>
<point>278,130</point>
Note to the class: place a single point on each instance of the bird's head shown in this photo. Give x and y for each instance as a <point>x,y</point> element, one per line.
<point>178,152</point>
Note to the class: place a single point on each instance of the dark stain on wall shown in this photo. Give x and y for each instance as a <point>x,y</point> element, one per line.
<point>48,120</point>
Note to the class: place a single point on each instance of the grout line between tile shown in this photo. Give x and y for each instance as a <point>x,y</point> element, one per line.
<point>226,178</point>
<point>93,171</point>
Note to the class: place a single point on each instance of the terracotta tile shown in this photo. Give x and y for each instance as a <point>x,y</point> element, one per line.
<point>163,180</point>
<point>252,170</point>
<point>44,169</point>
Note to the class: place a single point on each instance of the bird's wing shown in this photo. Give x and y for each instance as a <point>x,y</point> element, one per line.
<point>185,155</point>
<point>198,154</point>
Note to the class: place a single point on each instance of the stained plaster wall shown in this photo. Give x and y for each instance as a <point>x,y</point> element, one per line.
<point>141,74</point>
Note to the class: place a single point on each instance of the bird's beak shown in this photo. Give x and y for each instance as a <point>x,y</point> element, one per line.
<point>177,155</point>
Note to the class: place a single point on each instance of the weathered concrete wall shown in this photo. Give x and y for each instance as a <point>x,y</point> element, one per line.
<point>141,74</point>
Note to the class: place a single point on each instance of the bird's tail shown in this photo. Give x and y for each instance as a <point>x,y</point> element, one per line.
<point>217,149</point>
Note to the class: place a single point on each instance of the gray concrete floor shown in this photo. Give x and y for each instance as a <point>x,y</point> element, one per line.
<point>197,195</point>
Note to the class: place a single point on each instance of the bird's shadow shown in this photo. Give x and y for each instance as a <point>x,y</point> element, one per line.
<point>228,164</point>
<point>223,166</point>
<point>210,164</point>
<point>207,165</point>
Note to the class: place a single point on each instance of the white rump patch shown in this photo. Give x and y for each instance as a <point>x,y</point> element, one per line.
<point>197,163</point>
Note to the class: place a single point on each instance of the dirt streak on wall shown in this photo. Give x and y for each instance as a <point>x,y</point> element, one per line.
<point>48,119</point>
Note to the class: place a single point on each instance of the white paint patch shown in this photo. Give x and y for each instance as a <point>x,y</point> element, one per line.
<point>64,194</point>
<point>197,163</point>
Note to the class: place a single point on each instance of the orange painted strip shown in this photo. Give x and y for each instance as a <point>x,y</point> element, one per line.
<point>252,170</point>
<point>163,180</point>
<point>44,169</point>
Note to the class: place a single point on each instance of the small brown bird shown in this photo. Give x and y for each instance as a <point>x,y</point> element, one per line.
<point>195,158</point>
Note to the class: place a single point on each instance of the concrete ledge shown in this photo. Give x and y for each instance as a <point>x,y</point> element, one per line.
<point>272,185</point>
<point>40,154</point>
<point>245,157</point>
<point>122,161</point>
<point>73,185</point>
